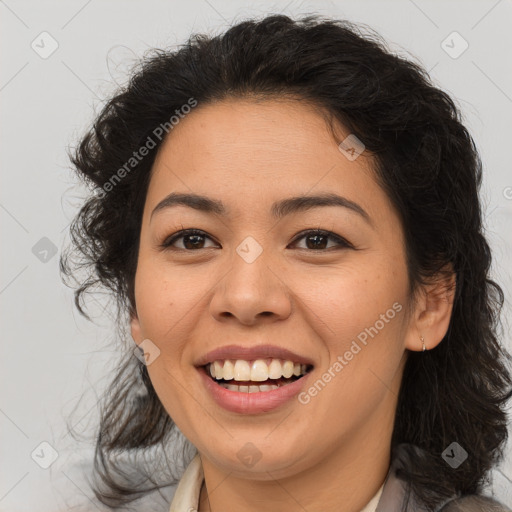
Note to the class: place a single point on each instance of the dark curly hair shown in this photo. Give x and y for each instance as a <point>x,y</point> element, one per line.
<point>426,162</point>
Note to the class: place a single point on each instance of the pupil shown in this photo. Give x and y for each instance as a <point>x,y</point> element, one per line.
<point>194,244</point>
<point>316,237</point>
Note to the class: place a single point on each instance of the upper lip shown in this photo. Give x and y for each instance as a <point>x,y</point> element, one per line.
<point>251,353</point>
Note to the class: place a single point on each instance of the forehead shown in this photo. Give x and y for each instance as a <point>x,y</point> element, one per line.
<point>268,128</point>
<point>253,149</point>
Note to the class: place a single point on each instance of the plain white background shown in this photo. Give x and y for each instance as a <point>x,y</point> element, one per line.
<point>52,356</point>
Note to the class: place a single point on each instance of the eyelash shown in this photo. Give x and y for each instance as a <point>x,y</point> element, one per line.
<point>167,243</point>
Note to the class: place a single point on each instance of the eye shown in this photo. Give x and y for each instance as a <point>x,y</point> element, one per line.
<point>316,240</point>
<point>192,239</point>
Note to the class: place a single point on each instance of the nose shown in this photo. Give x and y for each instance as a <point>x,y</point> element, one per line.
<point>251,293</point>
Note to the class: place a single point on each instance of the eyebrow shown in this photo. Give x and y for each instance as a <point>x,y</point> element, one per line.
<point>279,209</point>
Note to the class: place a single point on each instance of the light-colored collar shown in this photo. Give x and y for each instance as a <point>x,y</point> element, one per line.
<point>186,497</point>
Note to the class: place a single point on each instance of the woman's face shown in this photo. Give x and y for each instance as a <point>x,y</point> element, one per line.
<point>253,278</point>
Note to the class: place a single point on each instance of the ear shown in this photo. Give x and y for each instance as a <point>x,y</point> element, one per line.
<point>136,329</point>
<point>432,311</point>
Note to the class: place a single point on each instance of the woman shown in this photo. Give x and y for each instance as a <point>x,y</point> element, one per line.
<point>288,217</point>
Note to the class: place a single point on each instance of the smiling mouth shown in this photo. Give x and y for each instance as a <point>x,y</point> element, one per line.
<point>246,377</point>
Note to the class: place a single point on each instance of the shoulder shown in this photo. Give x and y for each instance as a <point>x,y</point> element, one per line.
<point>396,490</point>
<point>475,503</point>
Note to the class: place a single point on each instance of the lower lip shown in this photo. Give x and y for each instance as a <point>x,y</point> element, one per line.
<point>252,403</point>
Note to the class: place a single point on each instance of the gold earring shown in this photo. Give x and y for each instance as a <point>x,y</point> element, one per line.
<point>423,341</point>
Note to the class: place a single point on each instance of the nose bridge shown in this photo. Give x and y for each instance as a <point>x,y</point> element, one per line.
<point>251,288</point>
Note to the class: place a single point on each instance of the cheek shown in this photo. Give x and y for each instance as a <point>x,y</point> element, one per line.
<point>360,317</point>
<point>164,299</point>
<point>362,328</point>
<point>348,302</point>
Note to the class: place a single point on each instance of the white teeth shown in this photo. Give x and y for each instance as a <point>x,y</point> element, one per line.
<point>249,389</point>
<point>275,369</point>
<point>217,368</point>
<point>228,370</point>
<point>241,371</point>
<point>287,369</point>
<point>257,370</point>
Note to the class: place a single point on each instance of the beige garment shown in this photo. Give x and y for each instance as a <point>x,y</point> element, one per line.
<point>186,497</point>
